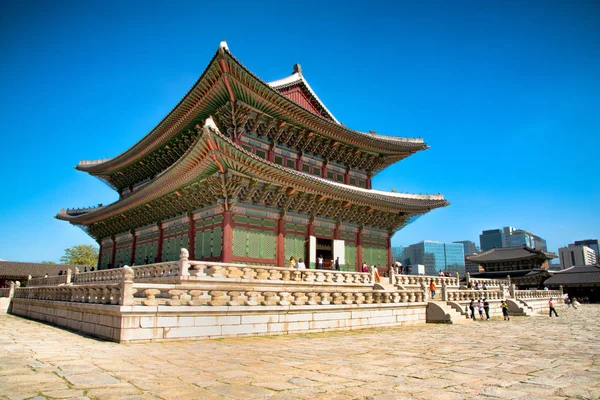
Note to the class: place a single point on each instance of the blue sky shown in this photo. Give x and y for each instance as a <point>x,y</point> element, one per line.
<point>507,94</point>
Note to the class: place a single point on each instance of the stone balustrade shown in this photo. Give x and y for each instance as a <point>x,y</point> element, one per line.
<point>185,295</point>
<point>462,295</point>
<point>488,282</point>
<point>417,280</point>
<point>249,273</point>
<point>537,294</point>
<point>153,272</point>
<point>93,293</point>
<point>104,276</point>
<point>50,280</point>
<point>5,292</point>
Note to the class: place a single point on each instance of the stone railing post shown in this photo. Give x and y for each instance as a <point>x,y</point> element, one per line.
<point>512,291</point>
<point>184,264</point>
<point>127,286</point>
<point>392,276</point>
<point>561,289</point>
<point>11,291</point>
<point>457,278</point>
<point>467,278</point>
<point>444,291</point>
<point>425,291</point>
<point>69,276</point>
<point>508,278</point>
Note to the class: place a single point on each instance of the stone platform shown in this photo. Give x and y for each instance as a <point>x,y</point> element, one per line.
<point>526,358</point>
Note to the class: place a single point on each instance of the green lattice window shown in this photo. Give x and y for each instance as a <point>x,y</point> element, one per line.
<point>146,251</point>
<point>375,255</point>
<point>294,246</point>
<point>349,257</point>
<point>106,257</point>
<point>253,243</point>
<point>172,247</point>
<point>209,243</point>
<point>123,256</point>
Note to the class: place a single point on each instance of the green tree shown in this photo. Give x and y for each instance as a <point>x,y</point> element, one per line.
<point>83,254</point>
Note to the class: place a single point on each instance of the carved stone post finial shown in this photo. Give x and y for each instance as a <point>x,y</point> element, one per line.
<point>445,290</point>
<point>11,291</point>
<point>127,286</point>
<point>184,264</point>
<point>69,276</point>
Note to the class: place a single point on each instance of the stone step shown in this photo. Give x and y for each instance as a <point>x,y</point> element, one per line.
<point>440,312</point>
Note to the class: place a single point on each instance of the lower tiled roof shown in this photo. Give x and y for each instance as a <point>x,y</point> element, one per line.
<point>21,270</point>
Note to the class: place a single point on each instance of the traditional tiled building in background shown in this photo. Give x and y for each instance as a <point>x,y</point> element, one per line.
<point>251,172</point>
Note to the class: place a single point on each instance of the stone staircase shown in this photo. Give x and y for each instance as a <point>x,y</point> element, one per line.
<point>519,308</point>
<point>440,312</point>
<point>384,286</point>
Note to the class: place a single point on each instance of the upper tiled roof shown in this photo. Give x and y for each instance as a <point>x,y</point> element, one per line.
<point>509,254</point>
<point>21,270</point>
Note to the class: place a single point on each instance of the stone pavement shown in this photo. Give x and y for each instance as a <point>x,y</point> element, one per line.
<point>526,358</point>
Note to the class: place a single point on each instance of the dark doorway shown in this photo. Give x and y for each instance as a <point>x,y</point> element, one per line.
<point>325,250</point>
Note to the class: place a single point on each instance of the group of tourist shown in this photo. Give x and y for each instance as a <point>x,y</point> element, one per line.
<point>319,265</point>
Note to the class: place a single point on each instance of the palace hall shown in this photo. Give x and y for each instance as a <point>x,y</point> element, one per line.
<point>247,171</point>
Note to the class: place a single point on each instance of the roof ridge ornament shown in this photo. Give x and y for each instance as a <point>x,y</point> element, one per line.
<point>298,69</point>
<point>223,45</point>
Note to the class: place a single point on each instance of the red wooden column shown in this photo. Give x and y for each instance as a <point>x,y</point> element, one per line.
<point>191,236</point>
<point>368,182</point>
<point>99,256</point>
<point>160,243</point>
<point>280,244</point>
<point>359,256</point>
<point>336,232</point>
<point>347,176</point>
<point>133,243</point>
<point>389,249</point>
<point>114,251</point>
<point>227,237</point>
<point>324,169</point>
<point>299,162</point>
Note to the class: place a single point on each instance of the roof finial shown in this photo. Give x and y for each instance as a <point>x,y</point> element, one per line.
<point>298,69</point>
<point>223,45</point>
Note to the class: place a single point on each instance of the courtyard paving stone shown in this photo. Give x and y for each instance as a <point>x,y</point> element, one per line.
<point>525,359</point>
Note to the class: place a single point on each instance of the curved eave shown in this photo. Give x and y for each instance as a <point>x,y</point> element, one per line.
<point>212,151</point>
<point>165,130</point>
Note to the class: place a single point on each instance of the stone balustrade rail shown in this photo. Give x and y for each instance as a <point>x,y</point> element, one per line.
<point>488,282</point>
<point>250,273</point>
<point>181,295</point>
<point>108,293</point>
<point>537,294</point>
<point>417,280</point>
<point>171,270</point>
<point>50,281</point>
<point>104,276</point>
<point>461,295</point>
<point>5,292</point>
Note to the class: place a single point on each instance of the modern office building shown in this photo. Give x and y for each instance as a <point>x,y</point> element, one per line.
<point>575,254</point>
<point>491,239</point>
<point>436,256</point>
<point>520,237</point>
<point>510,237</point>
<point>469,246</point>
<point>594,244</point>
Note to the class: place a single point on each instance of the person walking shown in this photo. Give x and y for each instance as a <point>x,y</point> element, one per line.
<point>551,307</point>
<point>292,262</point>
<point>300,264</point>
<point>486,308</point>
<point>480,309</point>
<point>472,308</point>
<point>432,289</point>
<point>337,263</point>
<point>505,310</point>
<point>320,262</point>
